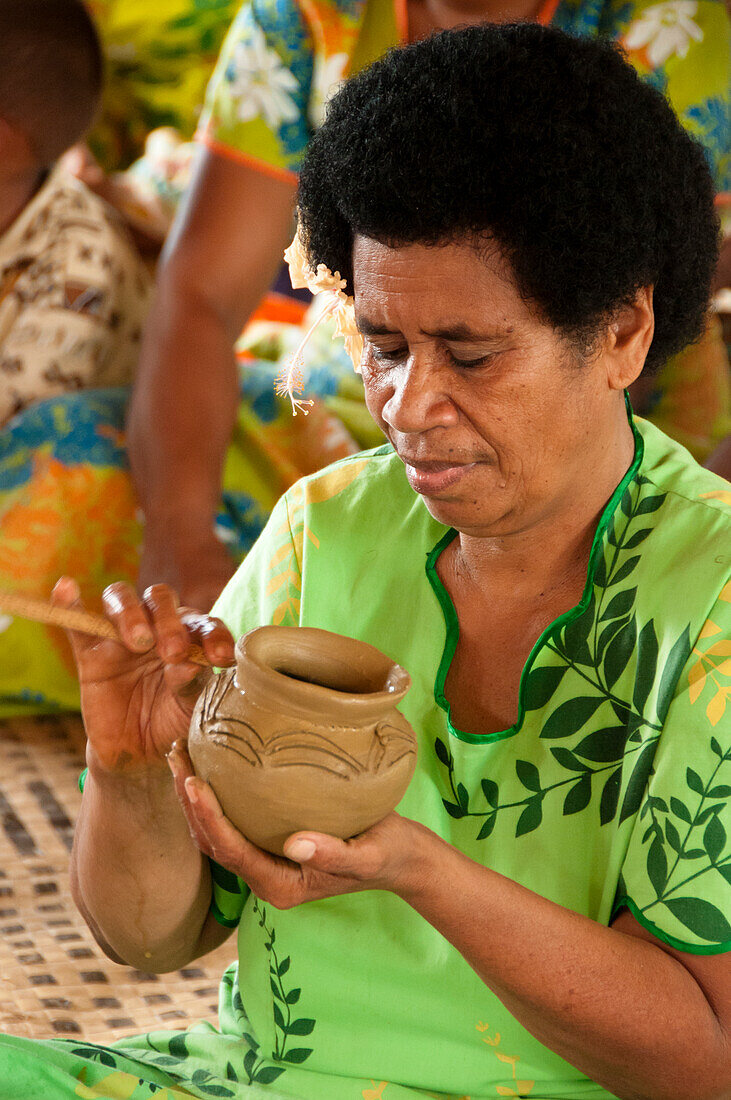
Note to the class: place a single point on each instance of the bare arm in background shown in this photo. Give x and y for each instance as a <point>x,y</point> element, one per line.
<point>222,254</point>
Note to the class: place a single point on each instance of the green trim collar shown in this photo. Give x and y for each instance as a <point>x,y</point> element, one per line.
<point>452,622</point>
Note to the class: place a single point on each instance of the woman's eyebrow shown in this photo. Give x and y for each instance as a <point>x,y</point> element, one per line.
<point>371,328</point>
<point>458,333</point>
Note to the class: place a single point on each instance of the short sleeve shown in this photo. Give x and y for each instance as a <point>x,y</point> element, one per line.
<point>676,877</point>
<point>256,104</point>
<point>229,896</point>
<point>266,589</point>
<point>683,48</point>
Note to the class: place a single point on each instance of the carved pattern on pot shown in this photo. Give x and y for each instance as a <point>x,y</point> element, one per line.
<point>285,751</point>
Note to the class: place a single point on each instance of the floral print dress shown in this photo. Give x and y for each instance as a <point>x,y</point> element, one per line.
<point>281,61</point>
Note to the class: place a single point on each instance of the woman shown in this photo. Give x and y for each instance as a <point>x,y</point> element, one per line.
<point>545,916</point>
<point>206,497</point>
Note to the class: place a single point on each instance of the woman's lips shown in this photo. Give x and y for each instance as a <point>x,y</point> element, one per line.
<point>430,478</point>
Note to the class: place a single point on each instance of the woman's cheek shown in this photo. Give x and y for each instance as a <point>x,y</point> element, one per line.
<point>376,386</point>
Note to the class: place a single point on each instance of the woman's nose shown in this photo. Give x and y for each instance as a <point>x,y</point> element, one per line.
<point>417,400</point>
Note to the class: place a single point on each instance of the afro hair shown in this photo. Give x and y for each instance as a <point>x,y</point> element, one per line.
<point>549,145</point>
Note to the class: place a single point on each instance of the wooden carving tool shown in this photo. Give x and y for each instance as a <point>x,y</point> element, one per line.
<point>72,618</point>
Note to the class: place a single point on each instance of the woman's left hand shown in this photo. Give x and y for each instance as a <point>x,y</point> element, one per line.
<point>388,856</point>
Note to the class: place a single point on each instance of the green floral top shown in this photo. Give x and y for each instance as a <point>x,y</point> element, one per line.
<point>611,790</point>
<point>282,59</point>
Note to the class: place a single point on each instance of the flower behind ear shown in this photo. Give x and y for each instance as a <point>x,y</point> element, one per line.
<point>340,306</point>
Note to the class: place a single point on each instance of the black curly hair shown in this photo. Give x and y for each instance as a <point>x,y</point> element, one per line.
<point>549,144</point>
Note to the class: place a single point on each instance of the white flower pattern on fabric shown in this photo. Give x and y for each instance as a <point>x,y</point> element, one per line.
<point>5,622</point>
<point>329,76</point>
<point>665,29</point>
<point>261,83</point>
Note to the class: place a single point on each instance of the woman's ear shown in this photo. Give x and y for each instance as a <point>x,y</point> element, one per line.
<point>629,337</point>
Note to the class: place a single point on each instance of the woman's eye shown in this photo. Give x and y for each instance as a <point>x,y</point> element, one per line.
<point>387,355</point>
<point>467,363</point>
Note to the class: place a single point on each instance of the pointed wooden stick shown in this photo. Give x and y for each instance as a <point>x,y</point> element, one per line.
<point>72,618</point>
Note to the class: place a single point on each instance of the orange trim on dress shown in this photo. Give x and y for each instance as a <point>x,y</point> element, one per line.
<point>546,12</point>
<point>282,174</point>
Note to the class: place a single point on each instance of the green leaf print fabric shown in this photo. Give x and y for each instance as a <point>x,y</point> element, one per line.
<point>678,865</point>
<point>610,790</point>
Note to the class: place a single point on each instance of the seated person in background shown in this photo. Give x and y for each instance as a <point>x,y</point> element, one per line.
<point>278,66</point>
<point>547,915</point>
<point>73,291</point>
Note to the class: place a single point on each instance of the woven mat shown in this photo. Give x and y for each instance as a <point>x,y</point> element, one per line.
<point>54,980</point>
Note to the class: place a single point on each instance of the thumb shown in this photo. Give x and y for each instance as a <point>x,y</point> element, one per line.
<point>357,858</point>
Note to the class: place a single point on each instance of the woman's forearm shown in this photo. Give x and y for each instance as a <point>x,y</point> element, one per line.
<point>137,877</point>
<point>620,1009</point>
<point>183,409</point>
<point>222,253</point>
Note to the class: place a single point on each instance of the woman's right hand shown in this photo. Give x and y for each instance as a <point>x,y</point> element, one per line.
<point>138,694</point>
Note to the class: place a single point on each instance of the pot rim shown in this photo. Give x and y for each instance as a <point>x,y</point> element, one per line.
<point>308,650</point>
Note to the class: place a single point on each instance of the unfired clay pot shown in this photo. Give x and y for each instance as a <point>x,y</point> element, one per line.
<point>304,734</point>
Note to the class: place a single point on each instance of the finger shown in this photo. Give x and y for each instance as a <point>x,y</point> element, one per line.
<point>211,634</point>
<point>187,681</point>
<point>227,846</point>
<point>359,858</point>
<point>124,610</point>
<point>66,593</point>
<point>171,635</point>
<point>180,765</point>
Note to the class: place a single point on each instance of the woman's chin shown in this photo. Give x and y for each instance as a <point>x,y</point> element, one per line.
<point>479,517</point>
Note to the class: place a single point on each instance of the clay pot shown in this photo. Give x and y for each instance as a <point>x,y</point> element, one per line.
<point>304,734</point>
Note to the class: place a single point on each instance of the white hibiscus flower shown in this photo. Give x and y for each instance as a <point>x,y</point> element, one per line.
<point>665,29</point>
<point>329,75</point>
<point>261,83</point>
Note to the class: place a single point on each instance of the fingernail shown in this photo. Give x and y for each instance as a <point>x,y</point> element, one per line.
<point>190,790</point>
<point>300,850</point>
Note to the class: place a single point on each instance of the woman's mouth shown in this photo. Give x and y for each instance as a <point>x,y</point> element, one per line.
<point>430,478</point>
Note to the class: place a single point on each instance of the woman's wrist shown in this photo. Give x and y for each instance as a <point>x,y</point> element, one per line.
<point>424,862</point>
<point>148,781</point>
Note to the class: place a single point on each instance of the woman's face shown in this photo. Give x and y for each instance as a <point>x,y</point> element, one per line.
<point>496,419</point>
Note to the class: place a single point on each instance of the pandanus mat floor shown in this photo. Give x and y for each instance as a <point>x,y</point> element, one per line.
<point>54,980</point>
